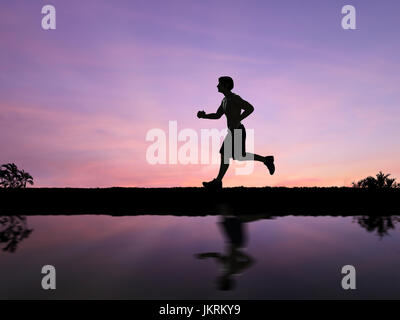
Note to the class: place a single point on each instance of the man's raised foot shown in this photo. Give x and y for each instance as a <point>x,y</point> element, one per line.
<point>269,162</point>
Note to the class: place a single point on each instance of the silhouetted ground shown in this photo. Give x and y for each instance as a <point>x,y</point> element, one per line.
<point>200,202</point>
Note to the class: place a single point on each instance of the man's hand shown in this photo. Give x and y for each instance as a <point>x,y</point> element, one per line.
<point>201,114</point>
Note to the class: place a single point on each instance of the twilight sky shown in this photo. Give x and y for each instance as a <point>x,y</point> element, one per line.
<point>77,102</point>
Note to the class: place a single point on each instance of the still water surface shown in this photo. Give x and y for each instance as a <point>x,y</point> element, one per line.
<point>213,257</point>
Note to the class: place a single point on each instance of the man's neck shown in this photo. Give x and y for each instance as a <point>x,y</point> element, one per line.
<point>227,93</point>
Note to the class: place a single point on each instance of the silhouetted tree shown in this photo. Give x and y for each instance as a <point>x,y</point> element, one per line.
<point>379,224</point>
<point>381,181</point>
<point>12,177</point>
<point>13,229</point>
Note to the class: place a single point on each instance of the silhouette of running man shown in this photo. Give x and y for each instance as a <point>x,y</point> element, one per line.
<point>234,145</point>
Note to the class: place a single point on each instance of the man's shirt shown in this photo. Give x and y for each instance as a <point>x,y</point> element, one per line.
<point>232,106</point>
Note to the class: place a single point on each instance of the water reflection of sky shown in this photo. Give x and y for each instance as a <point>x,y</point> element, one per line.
<point>153,257</point>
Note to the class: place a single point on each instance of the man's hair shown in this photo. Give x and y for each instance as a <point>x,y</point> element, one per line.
<point>226,81</point>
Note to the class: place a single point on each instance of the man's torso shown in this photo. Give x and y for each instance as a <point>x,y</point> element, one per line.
<point>232,105</point>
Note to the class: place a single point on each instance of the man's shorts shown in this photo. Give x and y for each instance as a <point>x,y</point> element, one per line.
<point>234,145</point>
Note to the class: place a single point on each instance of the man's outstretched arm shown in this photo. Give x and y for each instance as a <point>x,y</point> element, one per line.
<point>217,115</point>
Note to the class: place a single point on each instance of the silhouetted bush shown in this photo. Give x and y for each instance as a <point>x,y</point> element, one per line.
<point>381,181</point>
<point>13,229</point>
<point>12,177</point>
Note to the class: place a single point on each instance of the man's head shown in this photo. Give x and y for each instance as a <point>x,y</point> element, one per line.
<point>225,84</point>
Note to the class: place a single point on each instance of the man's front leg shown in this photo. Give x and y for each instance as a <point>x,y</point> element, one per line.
<point>223,167</point>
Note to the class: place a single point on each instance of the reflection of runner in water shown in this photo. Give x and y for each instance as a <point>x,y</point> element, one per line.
<point>234,261</point>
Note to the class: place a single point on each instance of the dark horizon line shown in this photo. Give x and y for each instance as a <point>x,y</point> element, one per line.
<point>199,201</point>
<point>200,187</point>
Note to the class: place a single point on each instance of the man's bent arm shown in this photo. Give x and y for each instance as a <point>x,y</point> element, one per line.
<point>211,116</point>
<point>216,115</point>
<point>248,109</point>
